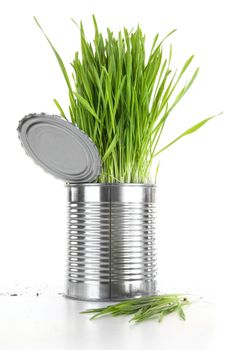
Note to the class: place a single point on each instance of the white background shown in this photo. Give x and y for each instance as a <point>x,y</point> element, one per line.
<point>195,178</point>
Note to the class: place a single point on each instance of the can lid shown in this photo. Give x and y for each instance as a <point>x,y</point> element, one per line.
<point>60,148</point>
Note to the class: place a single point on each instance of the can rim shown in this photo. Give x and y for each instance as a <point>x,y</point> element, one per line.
<point>110,184</point>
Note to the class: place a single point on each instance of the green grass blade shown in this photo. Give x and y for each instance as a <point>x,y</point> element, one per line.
<point>111,147</point>
<point>87,106</point>
<point>188,132</point>
<point>60,62</point>
<point>62,113</point>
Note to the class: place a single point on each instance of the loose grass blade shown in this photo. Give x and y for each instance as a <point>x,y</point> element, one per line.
<point>145,308</point>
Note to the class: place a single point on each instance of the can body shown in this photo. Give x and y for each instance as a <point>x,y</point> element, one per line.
<point>111,241</point>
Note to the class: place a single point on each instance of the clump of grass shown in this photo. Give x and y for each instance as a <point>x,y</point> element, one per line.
<point>123,100</point>
<point>142,309</point>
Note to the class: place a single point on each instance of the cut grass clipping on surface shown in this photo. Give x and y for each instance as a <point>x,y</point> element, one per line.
<point>145,308</point>
<point>123,100</point>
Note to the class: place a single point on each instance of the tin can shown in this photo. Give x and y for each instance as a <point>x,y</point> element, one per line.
<point>111,241</point>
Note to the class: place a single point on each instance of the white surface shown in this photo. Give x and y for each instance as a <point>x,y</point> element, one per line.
<point>54,322</point>
<point>194,185</point>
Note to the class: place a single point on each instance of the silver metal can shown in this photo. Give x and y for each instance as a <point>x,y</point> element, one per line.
<point>111,241</point>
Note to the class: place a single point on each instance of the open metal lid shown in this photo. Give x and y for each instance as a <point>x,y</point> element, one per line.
<point>60,148</point>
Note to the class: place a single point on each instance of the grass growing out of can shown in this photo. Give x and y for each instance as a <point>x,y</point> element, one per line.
<point>142,309</point>
<point>123,100</point>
